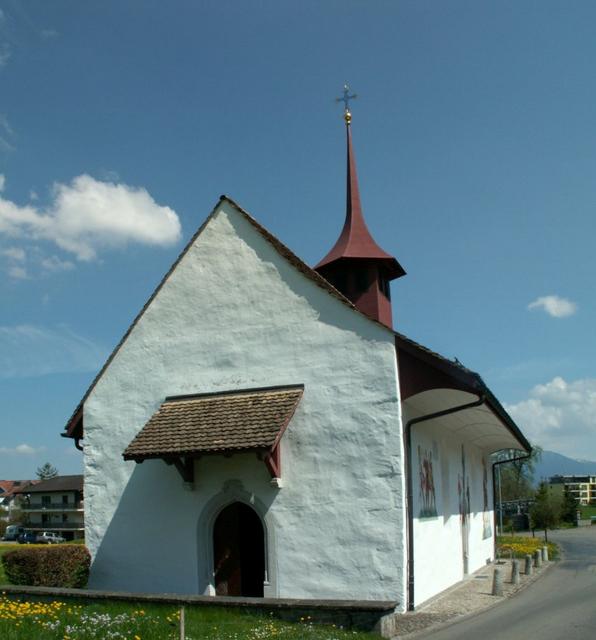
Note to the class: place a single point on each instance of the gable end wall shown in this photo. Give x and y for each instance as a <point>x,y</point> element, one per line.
<point>234,314</point>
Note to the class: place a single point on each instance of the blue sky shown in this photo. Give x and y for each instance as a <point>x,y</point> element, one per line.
<point>121,123</point>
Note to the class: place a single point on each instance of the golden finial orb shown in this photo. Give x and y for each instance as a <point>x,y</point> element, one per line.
<point>346,100</point>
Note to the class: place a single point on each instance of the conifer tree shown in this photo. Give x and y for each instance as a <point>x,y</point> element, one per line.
<point>46,471</point>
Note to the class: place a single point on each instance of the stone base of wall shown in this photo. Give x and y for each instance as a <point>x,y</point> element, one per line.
<point>363,615</point>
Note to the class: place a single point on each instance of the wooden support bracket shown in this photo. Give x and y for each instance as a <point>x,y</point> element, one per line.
<point>185,467</point>
<point>272,460</point>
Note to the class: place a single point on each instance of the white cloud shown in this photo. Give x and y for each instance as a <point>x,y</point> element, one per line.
<point>17,256</point>
<point>54,263</point>
<point>555,306</point>
<point>14,253</point>
<point>24,449</point>
<point>29,350</point>
<point>88,215</point>
<point>2,182</point>
<point>21,450</point>
<point>560,416</point>
<point>18,273</point>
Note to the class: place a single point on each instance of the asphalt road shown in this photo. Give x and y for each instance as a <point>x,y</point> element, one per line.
<point>561,605</point>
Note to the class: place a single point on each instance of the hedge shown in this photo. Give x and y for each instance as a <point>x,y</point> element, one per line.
<point>51,566</point>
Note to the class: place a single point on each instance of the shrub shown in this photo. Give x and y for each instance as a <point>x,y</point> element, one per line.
<point>51,566</point>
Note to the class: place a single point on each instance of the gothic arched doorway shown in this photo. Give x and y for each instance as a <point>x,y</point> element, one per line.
<point>238,552</point>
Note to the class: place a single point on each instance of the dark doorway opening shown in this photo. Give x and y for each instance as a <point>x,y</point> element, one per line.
<point>238,552</point>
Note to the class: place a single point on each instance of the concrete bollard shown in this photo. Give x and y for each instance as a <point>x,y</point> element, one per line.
<point>515,572</point>
<point>545,553</point>
<point>497,582</point>
<point>537,558</point>
<point>528,567</point>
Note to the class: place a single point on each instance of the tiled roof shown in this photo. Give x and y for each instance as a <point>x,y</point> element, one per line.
<point>58,483</point>
<point>216,422</point>
<point>10,487</point>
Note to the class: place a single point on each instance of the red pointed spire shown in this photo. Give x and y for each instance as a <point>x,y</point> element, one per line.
<point>356,265</point>
<point>355,240</point>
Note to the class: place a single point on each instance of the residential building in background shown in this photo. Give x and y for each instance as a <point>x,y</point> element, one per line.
<point>9,501</point>
<point>54,505</point>
<point>582,488</point>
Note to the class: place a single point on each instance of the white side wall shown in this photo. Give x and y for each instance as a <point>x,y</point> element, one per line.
<point>235,315</point>
<point>438,540</point>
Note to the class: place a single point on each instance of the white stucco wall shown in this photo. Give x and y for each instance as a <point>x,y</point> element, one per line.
<point>438,546</point>
<point>234,314</point>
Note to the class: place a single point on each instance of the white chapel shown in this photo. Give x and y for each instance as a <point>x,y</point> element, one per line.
<point>262,430</point>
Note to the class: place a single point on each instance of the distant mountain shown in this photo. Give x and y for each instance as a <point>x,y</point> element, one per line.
<point>554,463</point>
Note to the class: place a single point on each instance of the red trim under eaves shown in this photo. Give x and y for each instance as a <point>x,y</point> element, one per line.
<point>272,461</point>
<point>74,427</point>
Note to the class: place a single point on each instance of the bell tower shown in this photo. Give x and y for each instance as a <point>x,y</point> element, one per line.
<point>356,265</point>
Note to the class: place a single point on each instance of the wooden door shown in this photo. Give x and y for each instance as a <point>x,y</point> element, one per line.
<point>238,552</point>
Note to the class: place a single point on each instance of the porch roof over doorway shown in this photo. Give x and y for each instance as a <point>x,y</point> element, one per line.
<point>187,427</point>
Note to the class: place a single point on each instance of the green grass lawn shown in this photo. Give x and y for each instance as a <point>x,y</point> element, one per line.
<point>24,619</point>
<point>588,512</point>
<point>71,620</point>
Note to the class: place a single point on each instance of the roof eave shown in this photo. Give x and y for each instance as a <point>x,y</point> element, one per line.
<point>465,380</point>
<point>392,267</point>
<point>193,453</point>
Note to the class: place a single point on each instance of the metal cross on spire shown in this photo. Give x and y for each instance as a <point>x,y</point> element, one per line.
<point>346,100</point>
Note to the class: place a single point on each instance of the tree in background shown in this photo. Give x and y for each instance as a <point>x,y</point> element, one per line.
<point>517,476</point>
<point>569,507</point>
<point>46,471</point>
<point>545,513</point>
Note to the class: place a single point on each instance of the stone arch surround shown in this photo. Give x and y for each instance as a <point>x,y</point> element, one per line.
<point>234,491</point>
